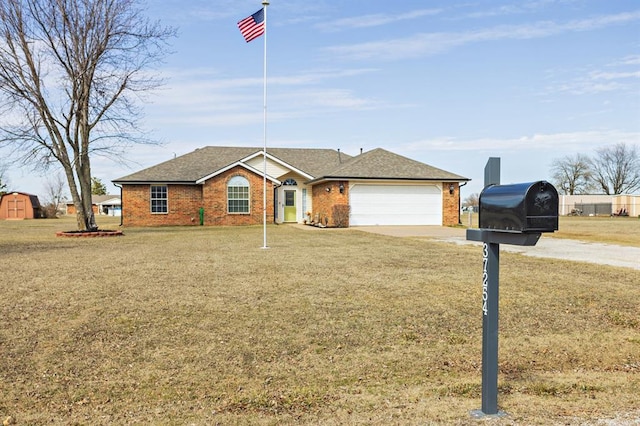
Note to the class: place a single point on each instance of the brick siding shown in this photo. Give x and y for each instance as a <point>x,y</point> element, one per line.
<point>215,200</point>
<point>450,204</point>
<point>185,201</point>
<point>323,200</point>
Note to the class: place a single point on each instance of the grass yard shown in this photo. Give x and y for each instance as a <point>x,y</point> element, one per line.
<point>201,326</point>
<point>612,230</point>
<point>602,229</point>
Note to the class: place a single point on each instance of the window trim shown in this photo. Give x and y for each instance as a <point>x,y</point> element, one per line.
<point>165,199</point>
<point>248,193</point>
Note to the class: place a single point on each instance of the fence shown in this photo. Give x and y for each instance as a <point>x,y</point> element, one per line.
<point>599,205</point>
<point>592,209</point>
<point>586,205</point>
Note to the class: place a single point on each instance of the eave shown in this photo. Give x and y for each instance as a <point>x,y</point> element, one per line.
<point>390,179</point>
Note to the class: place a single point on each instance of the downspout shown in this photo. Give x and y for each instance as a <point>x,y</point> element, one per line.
<point>460,201</point>
<point>275,206</point>
<point>121,205</point>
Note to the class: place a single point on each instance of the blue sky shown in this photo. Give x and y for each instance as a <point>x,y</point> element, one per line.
<point>448,83</point>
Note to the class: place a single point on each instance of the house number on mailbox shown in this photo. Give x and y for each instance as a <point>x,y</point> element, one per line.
<point>485,278</point>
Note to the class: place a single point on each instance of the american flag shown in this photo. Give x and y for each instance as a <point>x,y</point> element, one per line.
<point>252,26</point>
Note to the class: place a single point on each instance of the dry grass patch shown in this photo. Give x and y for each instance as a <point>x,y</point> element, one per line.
<point>199,325</point>
<point>610,230</point>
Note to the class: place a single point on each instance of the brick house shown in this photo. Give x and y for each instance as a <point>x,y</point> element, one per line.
<point>101,204</point>
<point>224,186</point>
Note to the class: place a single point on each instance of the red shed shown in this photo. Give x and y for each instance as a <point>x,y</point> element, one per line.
<point>19,205</point>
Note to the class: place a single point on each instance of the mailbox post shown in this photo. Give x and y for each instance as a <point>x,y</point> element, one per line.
<point>514,214</point>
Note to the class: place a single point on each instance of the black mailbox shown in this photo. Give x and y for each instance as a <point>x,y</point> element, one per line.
<point>519,208</point>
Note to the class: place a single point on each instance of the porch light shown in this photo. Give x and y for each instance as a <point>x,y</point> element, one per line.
<point>451,189</point>
<point>341,188</point>
<point>328,189</point>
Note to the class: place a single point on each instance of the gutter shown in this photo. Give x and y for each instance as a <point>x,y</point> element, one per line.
<point>460,201</point>
<point>404,179</point>
<point>121,203</point>
<point>275,207</point>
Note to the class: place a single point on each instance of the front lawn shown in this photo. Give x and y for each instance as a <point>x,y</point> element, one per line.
<point>200,325</point>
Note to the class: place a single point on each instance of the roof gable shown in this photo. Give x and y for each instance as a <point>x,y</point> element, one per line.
<point>231,166</point>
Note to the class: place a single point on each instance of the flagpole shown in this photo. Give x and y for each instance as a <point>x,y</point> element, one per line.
<point>265,3</point>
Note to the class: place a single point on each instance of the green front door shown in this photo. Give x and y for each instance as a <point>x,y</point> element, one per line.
<point>290,206</point>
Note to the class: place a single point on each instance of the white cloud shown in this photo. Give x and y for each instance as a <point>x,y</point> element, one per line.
<point>203,97</point>
<point>554,142</point>
<point>598,81</point>
<point>514,9</point>
<point>374,20</point>
<point>205,79</point>
<point>600,75</point>
<point>629,60</point>
<point>426,44</point>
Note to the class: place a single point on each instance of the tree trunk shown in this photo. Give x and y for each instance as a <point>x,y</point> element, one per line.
<point>85,217</point>
<point>84,173</point>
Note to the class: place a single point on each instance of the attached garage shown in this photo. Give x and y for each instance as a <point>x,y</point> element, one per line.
<point>395,204</point>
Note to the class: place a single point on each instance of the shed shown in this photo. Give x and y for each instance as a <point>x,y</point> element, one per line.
<point>20,205</point>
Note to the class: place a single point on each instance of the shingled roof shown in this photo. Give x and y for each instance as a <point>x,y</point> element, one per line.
<point>382,164</point>
<point>320,163</point>
<point>190,167</point>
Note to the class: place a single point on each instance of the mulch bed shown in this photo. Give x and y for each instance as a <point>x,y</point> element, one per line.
<point>99,233</point>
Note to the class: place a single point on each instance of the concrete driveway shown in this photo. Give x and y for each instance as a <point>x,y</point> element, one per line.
<point>547,247</point>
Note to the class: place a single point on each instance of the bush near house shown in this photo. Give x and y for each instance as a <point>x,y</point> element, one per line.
<point>341,215</point>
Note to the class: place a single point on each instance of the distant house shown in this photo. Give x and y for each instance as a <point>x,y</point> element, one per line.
<point>20,205</point>
<point>224,186</point>
<point>109,205</point>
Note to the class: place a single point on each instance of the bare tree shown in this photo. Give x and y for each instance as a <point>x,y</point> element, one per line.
<point>54,188</point>
<point>3,181</point>
<point>616,169</point>
<point>572,174</point>
<point>472,200</point>
<point>71,74</point>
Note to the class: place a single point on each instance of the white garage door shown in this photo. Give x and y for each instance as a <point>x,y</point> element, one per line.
<point>395,205</point>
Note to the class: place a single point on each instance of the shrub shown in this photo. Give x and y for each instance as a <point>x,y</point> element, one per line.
<point>341,215</point>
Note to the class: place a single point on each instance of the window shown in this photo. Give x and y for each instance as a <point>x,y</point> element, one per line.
<point>289,198</point>
<point>238,195</point>
<point>290,182</point>
<point>159,199</point>
<point>304,200</point>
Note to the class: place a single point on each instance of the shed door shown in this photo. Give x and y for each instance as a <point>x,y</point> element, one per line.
<point>16,209</point>
<point>395,205</point>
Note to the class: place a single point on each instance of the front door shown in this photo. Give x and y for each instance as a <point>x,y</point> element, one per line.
<point>290,214</point>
